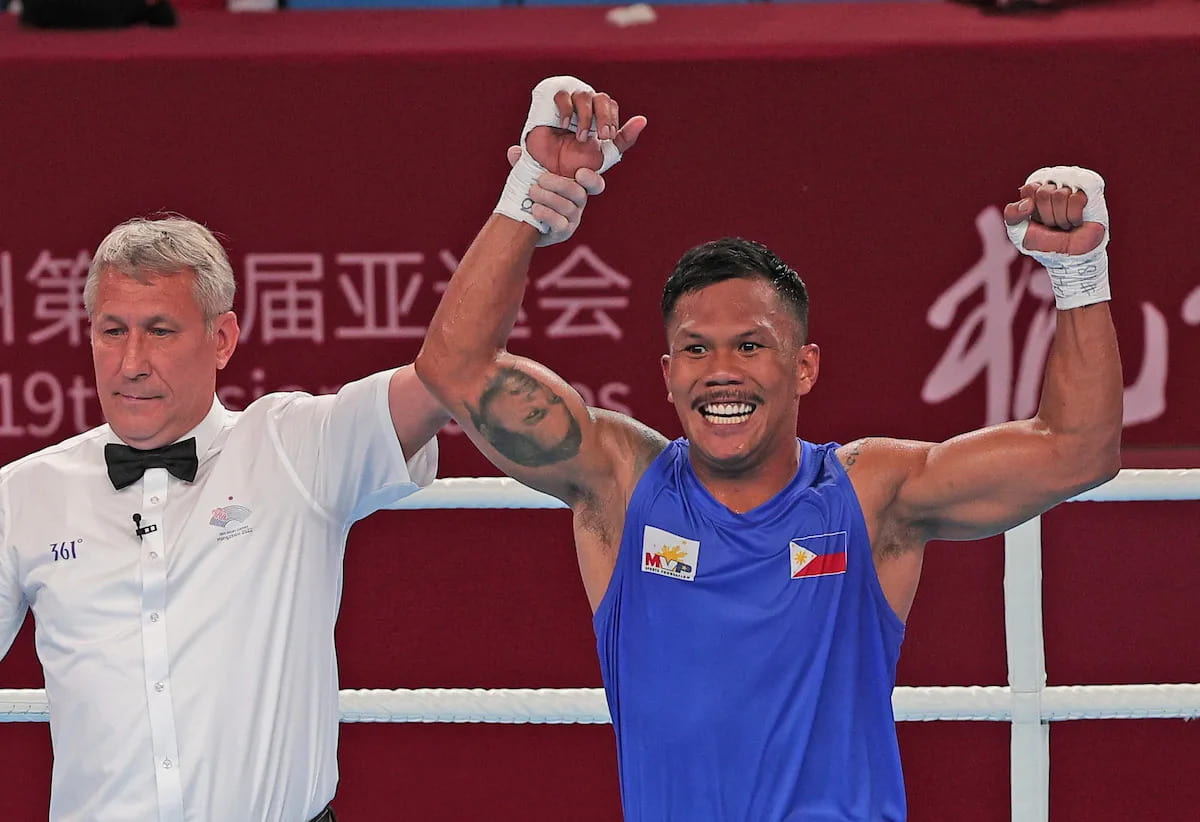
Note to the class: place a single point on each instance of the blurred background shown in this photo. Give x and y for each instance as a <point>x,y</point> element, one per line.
<point>348,156</point>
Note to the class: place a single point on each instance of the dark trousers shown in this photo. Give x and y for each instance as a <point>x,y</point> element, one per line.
<point>325,815</point>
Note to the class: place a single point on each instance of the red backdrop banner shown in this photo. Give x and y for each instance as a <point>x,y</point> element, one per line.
<point>348,159</point>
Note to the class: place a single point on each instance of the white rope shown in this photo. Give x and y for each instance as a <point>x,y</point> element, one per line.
<point>23,706</point>
<point>1067,702</point>
<point>556,706</point>
<point>477,492</point>
<point>1146,484</point>
<point>976,703</point>
<point>501,492</point>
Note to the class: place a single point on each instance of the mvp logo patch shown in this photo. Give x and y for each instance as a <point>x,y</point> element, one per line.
<point>669,554</point>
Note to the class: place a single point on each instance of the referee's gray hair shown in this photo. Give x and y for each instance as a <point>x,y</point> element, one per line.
<point>141,247</point>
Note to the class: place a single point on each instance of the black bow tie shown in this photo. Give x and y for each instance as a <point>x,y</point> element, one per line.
<point>126,465</point>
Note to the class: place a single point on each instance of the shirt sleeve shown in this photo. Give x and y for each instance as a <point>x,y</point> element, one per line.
<point>344,450</point>
<point>12,598</point>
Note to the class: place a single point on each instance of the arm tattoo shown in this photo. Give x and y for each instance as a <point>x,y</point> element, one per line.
<point>525,420</point>
<point>848,459</point>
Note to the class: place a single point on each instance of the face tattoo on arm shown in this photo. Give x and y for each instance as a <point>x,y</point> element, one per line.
<point>525,420</point>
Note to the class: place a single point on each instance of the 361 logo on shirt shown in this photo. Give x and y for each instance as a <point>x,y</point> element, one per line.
<point>64,550</point>
<point>669,554</point>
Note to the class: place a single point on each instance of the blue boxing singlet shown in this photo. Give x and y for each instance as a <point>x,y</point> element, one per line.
<point>749,659</point>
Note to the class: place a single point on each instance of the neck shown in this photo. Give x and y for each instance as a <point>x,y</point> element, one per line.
<point>744,487</point>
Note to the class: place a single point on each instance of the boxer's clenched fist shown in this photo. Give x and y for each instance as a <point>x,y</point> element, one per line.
<point>1053,205</point>
<point>1061,220</point>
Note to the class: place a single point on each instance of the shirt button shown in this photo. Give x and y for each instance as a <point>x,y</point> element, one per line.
<point>154,617</point>
<point>154,555</point>
<point>154,500</point>
<point>159,687</point>
<point>167,764</point>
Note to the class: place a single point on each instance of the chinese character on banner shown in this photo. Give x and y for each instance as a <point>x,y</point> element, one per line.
<point>983,342</point>
<point>379,299</point>
<point>276,301</point>
<point>521,330</point>
<point>59,281</point>
<point>6,299</point>
<point>583,315</point>
<point>1191,307</point>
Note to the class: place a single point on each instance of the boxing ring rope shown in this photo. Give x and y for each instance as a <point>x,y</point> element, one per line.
<point>1026,702</point>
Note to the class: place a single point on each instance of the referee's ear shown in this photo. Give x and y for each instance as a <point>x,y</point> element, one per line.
<point>225,334</point>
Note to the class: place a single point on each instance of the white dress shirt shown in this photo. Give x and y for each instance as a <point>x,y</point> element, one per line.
<point>191,672</point>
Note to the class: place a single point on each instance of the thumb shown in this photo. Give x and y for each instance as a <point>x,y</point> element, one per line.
<point>1018,211</point>
<point>1080,240</point>
<point>629,133</point>
<point>591,181</point>
<point>514,154</point>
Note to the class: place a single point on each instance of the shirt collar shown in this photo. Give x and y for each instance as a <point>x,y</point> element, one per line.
<point>205,433</point>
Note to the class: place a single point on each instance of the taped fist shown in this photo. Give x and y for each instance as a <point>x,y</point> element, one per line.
<point>1061,220</point>
<point>571,134</point>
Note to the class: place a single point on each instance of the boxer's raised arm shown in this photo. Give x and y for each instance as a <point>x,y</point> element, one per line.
<point>523,417</point>
<point>989,480</point>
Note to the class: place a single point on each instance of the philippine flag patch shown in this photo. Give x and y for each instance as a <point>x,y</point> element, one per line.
<point>819,555</point>
<point>669,554</point>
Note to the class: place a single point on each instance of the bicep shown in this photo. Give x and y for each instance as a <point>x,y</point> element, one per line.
<point>532,425</point>
<point>984,482</point>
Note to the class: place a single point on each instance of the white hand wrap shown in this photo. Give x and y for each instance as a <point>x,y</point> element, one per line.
<point>1077,279</point>
<point>515,201</point>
